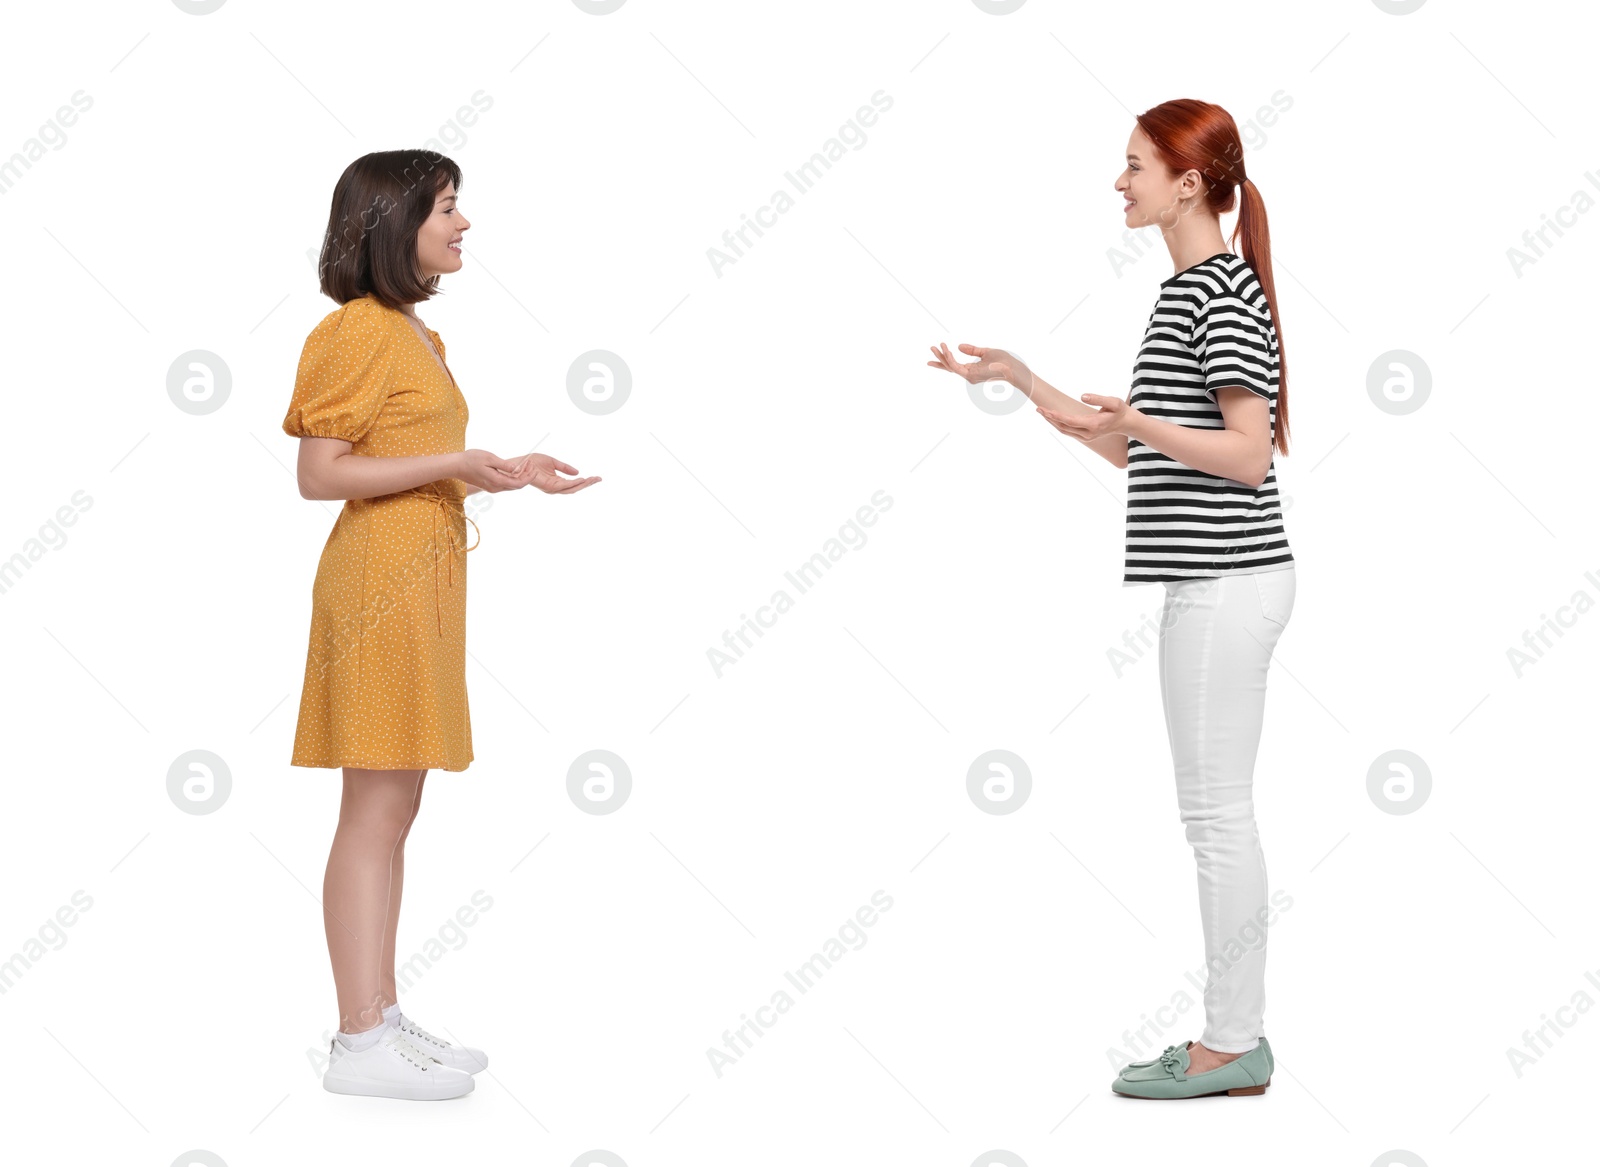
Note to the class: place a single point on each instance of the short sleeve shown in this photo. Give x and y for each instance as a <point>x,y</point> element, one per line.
<point>343,378</point>
<point>1233,342</point>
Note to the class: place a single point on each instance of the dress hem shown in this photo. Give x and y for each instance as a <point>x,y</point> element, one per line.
<point>386,766</point>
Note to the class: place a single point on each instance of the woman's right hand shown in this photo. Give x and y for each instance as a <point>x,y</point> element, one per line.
<point>489,472</point>
<point>993,364</point>
<point>545,472</point>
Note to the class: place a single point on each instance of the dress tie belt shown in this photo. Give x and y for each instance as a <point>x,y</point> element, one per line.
<point>443,502</point>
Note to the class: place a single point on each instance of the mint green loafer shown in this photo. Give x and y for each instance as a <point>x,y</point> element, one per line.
<point>1168,1076</point>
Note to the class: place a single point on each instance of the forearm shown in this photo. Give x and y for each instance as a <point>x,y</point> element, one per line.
<point>1113,447</point>
<point>1223,452</point>
<point>359,476</point>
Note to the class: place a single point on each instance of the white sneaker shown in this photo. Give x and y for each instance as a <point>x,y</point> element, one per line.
<point>392,1068</point>
<point>457,1057</point>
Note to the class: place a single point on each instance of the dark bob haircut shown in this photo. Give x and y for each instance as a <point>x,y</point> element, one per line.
<point>379,204</point>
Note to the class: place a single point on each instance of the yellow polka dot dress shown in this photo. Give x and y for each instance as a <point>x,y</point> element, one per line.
<point>385,682</point>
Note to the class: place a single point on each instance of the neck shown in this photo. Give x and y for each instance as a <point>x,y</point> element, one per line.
<point>1186,252</point>
<point>1196,237</point>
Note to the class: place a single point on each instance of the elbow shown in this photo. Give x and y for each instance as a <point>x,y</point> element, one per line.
<point>1266,468</point>
<point>318,482</point>
<point>1261,466</point>
<point>316,473</point>
<point>1252,477</point>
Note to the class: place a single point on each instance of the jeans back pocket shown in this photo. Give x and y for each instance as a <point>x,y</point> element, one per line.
<point>1275,590</point>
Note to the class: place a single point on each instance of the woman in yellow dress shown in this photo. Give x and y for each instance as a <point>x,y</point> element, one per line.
<point>382,425</point>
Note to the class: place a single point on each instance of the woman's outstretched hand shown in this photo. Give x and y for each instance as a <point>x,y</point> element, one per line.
<point>1111,414</point>
<point>993,364</point>
<point>541,470</point>
<point>489,472</point>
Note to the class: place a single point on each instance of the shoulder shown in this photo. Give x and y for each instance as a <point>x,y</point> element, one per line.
<point>355,339</point>
<point>1230,281</point>
<point>1237,307</point>
<point>363,322</point>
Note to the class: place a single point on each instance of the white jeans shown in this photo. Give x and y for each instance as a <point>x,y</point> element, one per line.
<point>1217,637</point>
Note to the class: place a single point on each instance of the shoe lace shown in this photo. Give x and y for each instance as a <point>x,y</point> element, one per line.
<point>402,1045</point>
<point>410,1027</point>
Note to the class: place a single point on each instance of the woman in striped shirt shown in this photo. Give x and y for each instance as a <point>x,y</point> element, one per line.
<point>1208,406</point>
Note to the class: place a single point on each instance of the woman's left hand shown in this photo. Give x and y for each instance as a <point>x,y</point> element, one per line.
<point>1111,415</point>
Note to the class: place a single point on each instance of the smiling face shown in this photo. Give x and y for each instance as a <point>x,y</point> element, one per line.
<point>1153,195</point>
<point>439,238</point>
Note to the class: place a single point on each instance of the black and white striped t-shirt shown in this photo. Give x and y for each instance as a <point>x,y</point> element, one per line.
<point>1211,328</point>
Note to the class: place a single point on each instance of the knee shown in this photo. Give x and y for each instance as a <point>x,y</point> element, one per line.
<point>378,822</point>
<point>1203,825</point>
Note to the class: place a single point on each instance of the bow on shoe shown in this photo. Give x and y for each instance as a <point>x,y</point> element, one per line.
<point>1152,1061</point>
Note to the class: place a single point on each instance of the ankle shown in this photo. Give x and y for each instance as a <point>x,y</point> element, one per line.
<point>362,1039</point>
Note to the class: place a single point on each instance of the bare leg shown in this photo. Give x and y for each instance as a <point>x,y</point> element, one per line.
<point>374,812</point>
<point>392,928</point>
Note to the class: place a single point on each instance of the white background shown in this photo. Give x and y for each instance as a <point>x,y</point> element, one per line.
<point>183,1009</point>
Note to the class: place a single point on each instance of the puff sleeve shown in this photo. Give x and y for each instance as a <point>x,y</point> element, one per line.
<point>1234,344</point>
<point>343,377</point>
